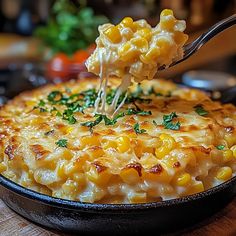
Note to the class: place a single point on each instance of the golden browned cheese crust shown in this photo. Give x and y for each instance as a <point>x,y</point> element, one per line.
<point>142,156</point>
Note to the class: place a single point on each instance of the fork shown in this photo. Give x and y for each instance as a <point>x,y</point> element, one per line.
<point>191,48</point>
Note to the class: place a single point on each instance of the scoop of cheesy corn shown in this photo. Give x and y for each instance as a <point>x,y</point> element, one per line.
<point>137,49</point>
<point>169,142</point>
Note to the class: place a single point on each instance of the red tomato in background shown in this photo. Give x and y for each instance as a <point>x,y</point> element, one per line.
<point>80,56</point>
<point>58,66</point>
<point>91,48</point>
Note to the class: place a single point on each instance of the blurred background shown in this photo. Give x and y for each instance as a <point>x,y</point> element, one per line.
<point>49,40</point>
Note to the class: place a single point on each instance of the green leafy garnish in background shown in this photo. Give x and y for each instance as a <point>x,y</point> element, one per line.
<point>138,130</point>
<point>70,27</point>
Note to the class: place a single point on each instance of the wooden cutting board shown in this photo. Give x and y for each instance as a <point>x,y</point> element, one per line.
<point>221,224</point>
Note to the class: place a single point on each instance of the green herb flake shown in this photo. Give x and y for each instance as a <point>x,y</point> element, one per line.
<point>220,147</point>
<point>55,97</point>
<point>138,130</point>
<point>62,143</point>
<point>200,110</point>
<point>132,111</point>
<point>41,103</point>
<point>168,122</point>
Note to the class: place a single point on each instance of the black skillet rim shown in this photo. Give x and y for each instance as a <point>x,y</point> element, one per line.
<point>76,205</point>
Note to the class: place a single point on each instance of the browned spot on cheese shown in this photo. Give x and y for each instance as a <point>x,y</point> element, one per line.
<point>135,166</point>
<point>39,151</point>
<point>10,151</point>
<point>157,169</point>
<point>229,129</point>
<point>99,167</point>
<point>176,164</point>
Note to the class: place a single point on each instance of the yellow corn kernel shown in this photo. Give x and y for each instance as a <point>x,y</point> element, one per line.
<point>100,178</point>
<point>167,12</point>
<point>109,144</point>
<point>67,130</point>
<point>230,139</point>
<point>180,38</point>
<point>224,173</point>
<point>130,175</point>
<point>164,45</point>
<point>227,155</point>
<point>137,197</point>
<point>128,22</point>
<point>61,170</point>
<point>30,103</point>
<point>157,174</point>
<point>113,34</point>
<point>168,23</point>
<point>127,52</point>
<point>140,43</point>
<point>79,178</point>
<point>183,179</point>
<point>3,167</point>
<point>168,143</point>
<point>196,188</point>
<point>70,187</point>
<point>96,151</point>
<point>145,33</point>
<point>90,141</point>
<point>233,149</point>
<point>123,144</point>
<point>150,56</point>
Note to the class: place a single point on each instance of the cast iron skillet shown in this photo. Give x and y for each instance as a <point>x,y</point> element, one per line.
<point>115,219</point>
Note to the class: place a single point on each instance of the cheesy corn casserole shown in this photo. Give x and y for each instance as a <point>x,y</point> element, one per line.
<point>166,142</point>
<point>133,49</point>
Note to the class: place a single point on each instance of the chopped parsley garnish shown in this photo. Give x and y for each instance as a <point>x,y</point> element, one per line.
<point>132,111</point>
<point>91,124</point>
<point>55,97</point>
<point>220,147</point>
<point>168,121</point>
<point>138,130</point>
<point>68,115</point>
<point>41,103</point>
<point>200,110</point>
<point>155,123</point>
<point>62,143</point>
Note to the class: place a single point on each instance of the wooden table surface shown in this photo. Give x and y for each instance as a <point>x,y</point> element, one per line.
<point>223,224</point>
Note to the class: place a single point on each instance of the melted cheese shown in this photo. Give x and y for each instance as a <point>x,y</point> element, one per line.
<point>113,163</point>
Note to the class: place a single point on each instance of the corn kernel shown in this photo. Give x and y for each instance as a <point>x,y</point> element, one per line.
<point>227,155</point>
<point>96,151</point>
<point>113,34</point>
<point>183,179</point>
<point>164,45</point>
<point>145,33</point>
<point>140,43</point>
<point>168,143</point>
<point>230,139</point>
<point>150,56</point>
<point>129,175</point>
<point>80,179</point>
<point>196,188</point>
<point>137,197</point>
<point>168,24</point>
<point>30,103</point>
<point>233,149</point>
<point>100,178</point>
<point>70,187</point>
<point>180,38</point>
<point>90,141</point>
<point>3,167</point>
<point>167,12</point>
<point>109,144</point>
<point>61,170</point>
<point>123,144</point>
<point>127,52</point>
<point>224,173</point>
<point>128,22</point>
